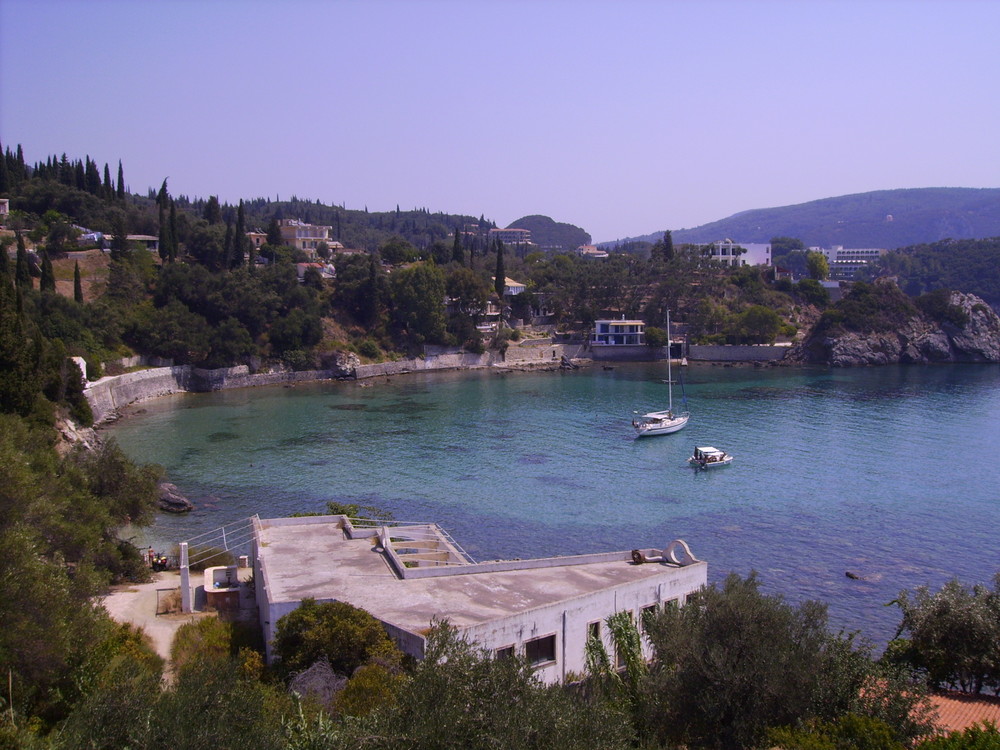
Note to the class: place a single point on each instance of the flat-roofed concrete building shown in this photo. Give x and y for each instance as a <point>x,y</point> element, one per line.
<point>411,576</point>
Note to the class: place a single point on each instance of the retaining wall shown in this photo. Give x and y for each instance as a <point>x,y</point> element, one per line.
<point>737,353</point>
<point>115,392</point>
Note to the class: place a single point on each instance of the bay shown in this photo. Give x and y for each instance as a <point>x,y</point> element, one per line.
<point>887,473</point>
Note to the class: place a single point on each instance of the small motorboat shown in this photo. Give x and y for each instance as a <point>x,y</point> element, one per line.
<point>707,457</point>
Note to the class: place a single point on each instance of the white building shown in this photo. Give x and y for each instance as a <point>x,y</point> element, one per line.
<point>730,253</point>
<point>845,262</point>
<point>618,333</point>
<point>408,577</point>
<point>511,236</point>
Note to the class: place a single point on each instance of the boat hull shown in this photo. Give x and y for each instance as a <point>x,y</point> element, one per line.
<point>664,426</point>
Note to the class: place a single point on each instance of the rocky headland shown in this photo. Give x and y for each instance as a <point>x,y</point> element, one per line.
<point>919,339</point>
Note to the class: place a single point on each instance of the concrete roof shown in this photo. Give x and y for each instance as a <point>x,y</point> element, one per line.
<point>318,560</point>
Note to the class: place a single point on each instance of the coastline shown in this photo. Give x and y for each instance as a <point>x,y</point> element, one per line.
<point>111,395</point>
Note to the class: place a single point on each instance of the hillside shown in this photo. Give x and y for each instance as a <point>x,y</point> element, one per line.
<point>884,218</point>
<point>552,235</point>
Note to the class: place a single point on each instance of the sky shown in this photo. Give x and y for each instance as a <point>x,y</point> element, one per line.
<point>623,118</point>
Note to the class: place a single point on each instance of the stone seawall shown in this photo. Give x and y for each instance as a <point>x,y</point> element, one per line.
<point>457,361</point>
<point>110,394</point>
<point>737,353</point>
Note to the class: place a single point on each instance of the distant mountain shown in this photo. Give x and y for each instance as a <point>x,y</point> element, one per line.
<point>883,218</point>
<point>552,235</point>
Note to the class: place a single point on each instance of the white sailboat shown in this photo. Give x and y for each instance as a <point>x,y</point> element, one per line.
<point>662,422</point>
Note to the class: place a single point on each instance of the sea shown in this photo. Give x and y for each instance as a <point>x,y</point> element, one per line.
<point>847,485</point>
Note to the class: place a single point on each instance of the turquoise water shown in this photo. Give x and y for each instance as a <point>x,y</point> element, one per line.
<point>889,473</point>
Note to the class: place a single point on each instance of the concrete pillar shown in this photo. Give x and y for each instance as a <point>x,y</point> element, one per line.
<point>185,580</point>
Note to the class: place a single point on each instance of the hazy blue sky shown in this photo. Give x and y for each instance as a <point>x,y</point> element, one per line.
<point>621,117</point>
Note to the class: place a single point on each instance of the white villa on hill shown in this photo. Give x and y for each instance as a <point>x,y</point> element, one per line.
<point>410,576</point>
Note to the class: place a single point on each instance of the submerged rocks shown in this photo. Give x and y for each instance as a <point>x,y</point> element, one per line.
<point>172,501</point>
<point>918,340</point>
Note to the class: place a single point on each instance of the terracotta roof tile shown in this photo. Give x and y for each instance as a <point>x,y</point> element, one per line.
<point>957,711</point>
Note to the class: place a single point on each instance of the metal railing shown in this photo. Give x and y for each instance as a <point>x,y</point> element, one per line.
<point>232,538</point>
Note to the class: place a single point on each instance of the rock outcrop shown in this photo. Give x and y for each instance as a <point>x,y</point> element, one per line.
<point>919,340</point>
<point>172,501</point>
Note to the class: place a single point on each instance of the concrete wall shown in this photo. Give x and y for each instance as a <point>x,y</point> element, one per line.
<point>115,392</point>
<point>746,353</point>
<point>531,353</point>
<point>449,361</point>
<point>569,620</point>
<point>640,353</point>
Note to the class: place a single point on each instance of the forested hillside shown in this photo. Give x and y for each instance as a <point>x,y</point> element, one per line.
<point>884,218</point>
<point>967,265</point>
<point>552,235</point>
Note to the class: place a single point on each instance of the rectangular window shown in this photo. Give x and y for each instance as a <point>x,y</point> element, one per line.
<point>507,652</point>
<point>594,630</point>
<point>540,651</point>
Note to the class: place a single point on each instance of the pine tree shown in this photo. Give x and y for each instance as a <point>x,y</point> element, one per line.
<point>457,253</point>
<point>501,276</point>
<point>77,283</point>
<point>48,281</point>
<point>121,182</point>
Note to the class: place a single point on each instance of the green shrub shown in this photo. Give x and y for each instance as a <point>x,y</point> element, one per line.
<point>345,636</point>
<point>368,348</point>
<point>937,306</point>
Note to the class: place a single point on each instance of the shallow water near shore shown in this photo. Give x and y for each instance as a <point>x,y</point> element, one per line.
<point>889,473</point>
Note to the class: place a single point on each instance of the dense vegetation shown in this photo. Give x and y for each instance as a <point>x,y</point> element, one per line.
<point>969,265</point>
<point>552,235</point>
<point>733,668</point>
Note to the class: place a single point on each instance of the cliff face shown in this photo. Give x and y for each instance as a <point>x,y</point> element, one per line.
<point>919,340</point>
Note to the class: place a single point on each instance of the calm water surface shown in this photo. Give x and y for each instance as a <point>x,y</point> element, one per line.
<point>890,473</point>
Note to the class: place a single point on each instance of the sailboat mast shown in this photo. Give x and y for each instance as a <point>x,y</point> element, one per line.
<point>670,379</point>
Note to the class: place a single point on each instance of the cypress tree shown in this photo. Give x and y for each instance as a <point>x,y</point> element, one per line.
<point>77,283</point>
<point>501,275</point>
<point>274,234</point>
<point>239,238</point>
<point>79,176</point>
<point>48,281</point>
<point>22,170</point>
<point>668,246</point>
<point>227,248</point>
<point>108,190</point>
<point>4,262</point>
<point>4,174</point>
<point>164,235</point>
<point>22,272</point>
<point>173,232</point>
<point>92,178</point>
<point>121,182</point>
<point>457,253</point>
<point>213,213</point>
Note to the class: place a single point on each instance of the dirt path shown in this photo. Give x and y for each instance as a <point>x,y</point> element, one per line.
<point>137,604</point>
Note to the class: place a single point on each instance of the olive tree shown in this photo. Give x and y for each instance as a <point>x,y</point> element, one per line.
<point>953,635</point>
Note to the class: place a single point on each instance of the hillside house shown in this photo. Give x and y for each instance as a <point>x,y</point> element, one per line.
<point>410,576</point>
<point>303,236</point>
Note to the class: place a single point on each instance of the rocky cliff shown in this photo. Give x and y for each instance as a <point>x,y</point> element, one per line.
<point>918,340</point>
